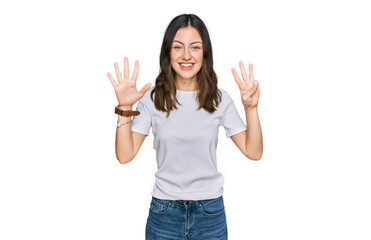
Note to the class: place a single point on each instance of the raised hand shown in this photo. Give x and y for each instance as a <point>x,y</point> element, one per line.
<point>125,89</point>
<point>249,88</point>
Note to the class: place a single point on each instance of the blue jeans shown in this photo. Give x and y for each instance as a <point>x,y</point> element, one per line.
<point>186,219</point>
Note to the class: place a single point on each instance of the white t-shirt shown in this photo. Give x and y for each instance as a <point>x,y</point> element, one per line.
<point>185,145</point>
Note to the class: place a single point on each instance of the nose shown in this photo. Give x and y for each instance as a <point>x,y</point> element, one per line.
<point>186,54</point>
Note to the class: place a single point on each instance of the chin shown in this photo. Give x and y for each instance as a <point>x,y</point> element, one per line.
<point>187,76</point>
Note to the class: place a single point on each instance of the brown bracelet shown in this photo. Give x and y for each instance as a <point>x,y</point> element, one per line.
<point>126,113</point>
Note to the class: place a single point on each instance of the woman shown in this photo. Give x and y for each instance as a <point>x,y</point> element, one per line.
<point>185,109</point>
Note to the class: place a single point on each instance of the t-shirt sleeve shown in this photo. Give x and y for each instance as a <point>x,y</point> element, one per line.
<point>231,120</point>
<point>142,122</point>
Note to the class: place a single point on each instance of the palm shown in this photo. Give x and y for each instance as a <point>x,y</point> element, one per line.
<point>125,89</point>
<point>249,88</point>
<point>126,92</point>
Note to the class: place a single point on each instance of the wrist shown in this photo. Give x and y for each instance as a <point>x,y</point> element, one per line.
<point>125,107</point>
<point>251,109</point>
<point>125,111</point>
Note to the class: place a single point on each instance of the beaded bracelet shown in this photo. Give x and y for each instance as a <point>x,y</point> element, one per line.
<point>120,124</point>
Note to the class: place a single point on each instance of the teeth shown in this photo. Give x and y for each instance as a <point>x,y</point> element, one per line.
<point>186,65</point>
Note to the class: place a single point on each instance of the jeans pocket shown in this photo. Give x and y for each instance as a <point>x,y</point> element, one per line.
<point>212,207</point>
<point>160,206</point>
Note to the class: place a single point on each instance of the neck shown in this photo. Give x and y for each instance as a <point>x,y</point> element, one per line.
<point>186,84</point>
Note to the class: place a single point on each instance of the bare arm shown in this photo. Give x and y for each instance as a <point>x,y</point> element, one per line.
<point>127,142</point>
<point>250,142</point>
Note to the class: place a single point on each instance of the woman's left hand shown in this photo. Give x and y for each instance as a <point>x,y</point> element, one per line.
<point>249,88</point>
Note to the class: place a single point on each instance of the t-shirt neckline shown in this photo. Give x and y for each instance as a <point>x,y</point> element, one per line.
<point>186,92</point>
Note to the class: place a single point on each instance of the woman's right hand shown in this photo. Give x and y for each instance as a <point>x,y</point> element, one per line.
<point>125,89</point>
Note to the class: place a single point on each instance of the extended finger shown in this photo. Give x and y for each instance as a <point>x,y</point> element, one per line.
<point>126,68</point>
<point>243,72</point>
<point>145,88</point>
<point>111,79</point>
<point>118,73</point>
<point>136,71</point>
<point>237,78</point>
<point>251,73</point>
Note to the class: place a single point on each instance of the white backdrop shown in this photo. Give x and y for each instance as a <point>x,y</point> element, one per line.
<point>59,178</point>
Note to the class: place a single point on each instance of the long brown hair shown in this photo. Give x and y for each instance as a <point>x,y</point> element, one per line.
<point>208,94</point>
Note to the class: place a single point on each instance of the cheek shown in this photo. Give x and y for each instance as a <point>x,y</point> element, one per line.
<point>174,56</point>
<point>200,57</point>
<point>173,59</point>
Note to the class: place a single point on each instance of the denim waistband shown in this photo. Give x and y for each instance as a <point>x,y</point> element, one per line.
<point>187,203</point>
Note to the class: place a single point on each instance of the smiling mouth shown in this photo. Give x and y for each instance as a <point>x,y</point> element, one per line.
<point>186,66</point>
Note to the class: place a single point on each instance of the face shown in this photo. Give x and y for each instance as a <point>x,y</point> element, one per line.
<point>186,53</point>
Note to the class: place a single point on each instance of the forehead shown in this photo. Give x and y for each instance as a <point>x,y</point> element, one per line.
<point>187,35</point>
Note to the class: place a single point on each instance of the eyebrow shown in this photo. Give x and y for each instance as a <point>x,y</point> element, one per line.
<point>191,42</point>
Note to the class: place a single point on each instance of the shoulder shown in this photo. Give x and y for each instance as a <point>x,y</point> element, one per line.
<point>223,91</point>
<point>225,96</point>
<point>146,99</point>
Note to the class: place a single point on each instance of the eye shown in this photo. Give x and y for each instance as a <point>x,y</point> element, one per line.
<point>196,47</point>
<point>177,47</point>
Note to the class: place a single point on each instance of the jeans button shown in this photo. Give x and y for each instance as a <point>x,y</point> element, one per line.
<point>187,202</point>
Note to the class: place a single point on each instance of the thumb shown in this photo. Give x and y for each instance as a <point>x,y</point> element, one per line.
<point>145,89</point>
